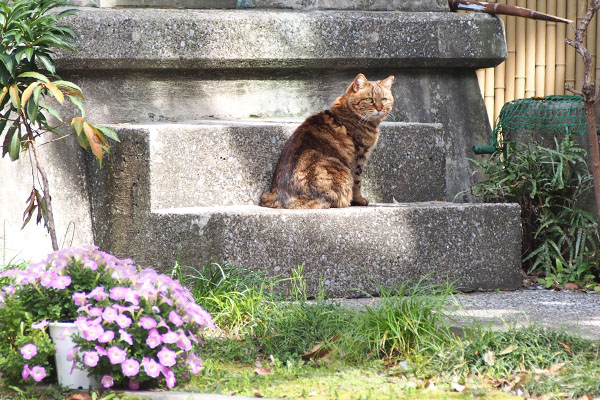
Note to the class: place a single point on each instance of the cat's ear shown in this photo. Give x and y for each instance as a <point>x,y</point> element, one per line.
<point>359,82</point>
<point>387,82</point>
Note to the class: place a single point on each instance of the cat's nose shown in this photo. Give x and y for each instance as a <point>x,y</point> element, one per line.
<point>378,107</point>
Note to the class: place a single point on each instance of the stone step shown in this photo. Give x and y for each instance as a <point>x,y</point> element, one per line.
<point>373,5</point>
<point>349,252</point>
<point>211,163</point>
<point>179,65</point>
<point>354,248</point>
<point>111,39</point>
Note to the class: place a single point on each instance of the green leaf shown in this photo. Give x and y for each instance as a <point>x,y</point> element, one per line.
<point>77,101</point>
<point>33,110</point>
<point>8,63</point>
<point>13,91</point>
<point>108,132</point>
<point>15,145</point>
<point>35,75</point>
<point>48,63</point>
<point>51,111</point>
<point>67,85</point>
<point>58,95</point>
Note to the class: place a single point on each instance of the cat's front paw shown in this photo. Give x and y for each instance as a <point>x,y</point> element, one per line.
<point>360,201</point>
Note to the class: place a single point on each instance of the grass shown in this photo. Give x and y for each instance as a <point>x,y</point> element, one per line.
<point>400,349</point>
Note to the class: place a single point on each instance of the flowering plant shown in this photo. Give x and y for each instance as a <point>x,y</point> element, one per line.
<point>136,326</point>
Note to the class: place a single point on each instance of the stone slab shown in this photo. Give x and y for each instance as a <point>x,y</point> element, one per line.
<point>477,244</point>
<point>250,39</point>
<point>208,163</point>
<point>355,250</point>
<point>450,97</point>
<point>372,5</point>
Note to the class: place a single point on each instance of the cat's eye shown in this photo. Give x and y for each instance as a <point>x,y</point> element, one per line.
<point>369,99</point>
<point>384,100</point>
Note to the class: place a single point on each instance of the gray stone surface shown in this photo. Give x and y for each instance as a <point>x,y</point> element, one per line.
<point>354,248</point>
<point>380,5</point>
<point>373,5</point>
<point>228,163</point>
<point>226,39</point>
<point>451,98</point>
<point>63,162</point>
<point>574,312</point>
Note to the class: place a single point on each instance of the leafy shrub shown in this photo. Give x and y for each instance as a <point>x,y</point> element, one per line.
<point>560,239</point>
<point>30,90</point>
<point>134,325</point>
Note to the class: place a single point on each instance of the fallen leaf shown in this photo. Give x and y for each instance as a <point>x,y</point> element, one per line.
<point>262,371</point>
<point>489,358</point>
<point>508,350</point>
<point>79,396</point>
<point>556,367</point>
<point>570,286</point>
<point>566,346</point>
<point>257,393</point>
<point>457,387</point>
<point>317,352</point>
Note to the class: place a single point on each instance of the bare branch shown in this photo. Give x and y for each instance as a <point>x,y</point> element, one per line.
<point>573,90</point>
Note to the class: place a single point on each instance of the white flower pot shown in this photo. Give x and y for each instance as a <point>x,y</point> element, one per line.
<point>61,332</point>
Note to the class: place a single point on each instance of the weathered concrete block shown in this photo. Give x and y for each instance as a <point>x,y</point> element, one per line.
<point>65,167</point>
<point>230,39</point>
<point>226,163</point>
<point>354,249</point>
<point>373,5</point>
<point>478,245</point>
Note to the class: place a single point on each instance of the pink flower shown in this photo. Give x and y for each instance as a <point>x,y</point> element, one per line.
<point>72,353</point>
<point>184,343</point>
<point>109,314</point>
<point>147,322</point>
<point>90,264</point>
<point>132,297</point>
<point>101,350</point>
<point>92,332</point>
<point>116,355</point>
<point>26,371</point>
<point>29,351</point>
<point>170,337</point>
<point>130,367</point>
<point>126,337</point>
<point>98,294</point>
<point>60,283</point>
<point>175,318</point>
<point>153,340</point>
<point>95,312</point>
<point>48,278</point>
<point>106,337</point>
<point>166,357</point>
<point>79,298</point>
<point>118,293</point>
<point>91,358</point>
<point>194,362</point>
<point>169,377</point>
<point>134,384</point>
<point>38,373</point>
<point>43,323</point>
<point>123,321</point>
<point>151,367</point>
<point>107,381</point>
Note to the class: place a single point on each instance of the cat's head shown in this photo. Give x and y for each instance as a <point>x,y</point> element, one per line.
<point>370,101</point>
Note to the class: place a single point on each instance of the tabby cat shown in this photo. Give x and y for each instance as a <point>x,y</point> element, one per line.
<point>321,164</point>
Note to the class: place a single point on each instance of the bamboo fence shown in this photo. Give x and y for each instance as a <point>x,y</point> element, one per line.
<point>539,62</point>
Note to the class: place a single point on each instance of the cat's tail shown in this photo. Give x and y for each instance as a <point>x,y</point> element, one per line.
<point>269,199</point>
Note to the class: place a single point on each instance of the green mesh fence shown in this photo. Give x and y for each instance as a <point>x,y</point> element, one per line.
<point>555,114</point>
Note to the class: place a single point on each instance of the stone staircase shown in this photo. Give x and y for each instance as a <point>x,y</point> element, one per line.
<point>203,101</point>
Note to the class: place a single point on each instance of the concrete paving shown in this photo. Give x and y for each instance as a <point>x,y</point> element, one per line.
<point>575,312</point>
